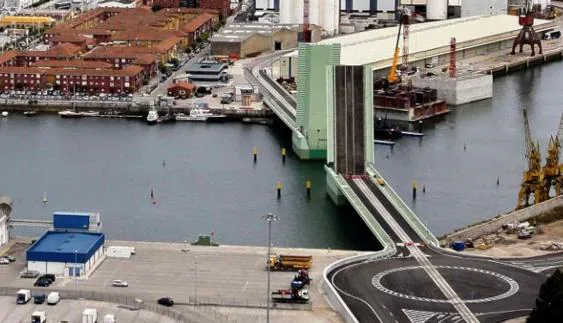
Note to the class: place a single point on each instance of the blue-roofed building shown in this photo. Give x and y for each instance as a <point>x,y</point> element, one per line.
<point>66,253</point>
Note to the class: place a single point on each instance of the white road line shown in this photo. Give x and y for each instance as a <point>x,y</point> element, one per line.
<point>438,279</point>
<point>244,288</point>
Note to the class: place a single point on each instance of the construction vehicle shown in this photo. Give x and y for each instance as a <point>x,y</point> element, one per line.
<point>301,280</point>
<point>404,14</point>
<point>38,317</point>
<point>532,178</point>
<point>300,296</point>
<point>289,262</point>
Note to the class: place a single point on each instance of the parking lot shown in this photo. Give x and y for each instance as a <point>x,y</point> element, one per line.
<point>56,95</point>
<point>71,311</point>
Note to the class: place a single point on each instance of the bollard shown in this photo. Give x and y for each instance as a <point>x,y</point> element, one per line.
<point>498,181</point>
<point>414,189</point>
<point>423,188</point>
<point>283,155</point>
<point>255,154</point>
<point>279,188</point>
<point>44,197</point>
<point>464,147</point>
<point>308,187</point>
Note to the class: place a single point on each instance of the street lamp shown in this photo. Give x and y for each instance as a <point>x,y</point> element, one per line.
<point>195,282</point>
<point>75,267</point>
<point>269,217</point>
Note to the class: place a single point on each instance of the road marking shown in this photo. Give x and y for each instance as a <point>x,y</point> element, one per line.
<point>448,291</point>
<point>513,285</point>
<point>244,288</point>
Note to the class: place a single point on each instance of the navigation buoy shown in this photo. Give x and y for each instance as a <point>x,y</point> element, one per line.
<point>45,197</point>
<point>152,194</point>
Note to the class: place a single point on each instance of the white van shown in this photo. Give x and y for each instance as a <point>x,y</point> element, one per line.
<point>23,296</point>
<point>109,318</point>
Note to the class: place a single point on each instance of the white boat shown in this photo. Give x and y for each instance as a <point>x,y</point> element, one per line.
<point>90,113</point>
<point>184,117</point>
<point>67,114</point>
<point>152,117</point>
<point>5,113</point>
<point>204,113</point>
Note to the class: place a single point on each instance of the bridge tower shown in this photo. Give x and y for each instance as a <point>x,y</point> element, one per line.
<point>310,142</point>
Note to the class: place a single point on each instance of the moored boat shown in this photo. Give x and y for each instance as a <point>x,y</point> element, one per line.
<point>68,114</point>
<point>30,113</point>
<point>152,117</point>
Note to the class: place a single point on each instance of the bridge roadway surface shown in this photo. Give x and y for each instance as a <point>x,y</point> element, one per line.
<point>422,283</point>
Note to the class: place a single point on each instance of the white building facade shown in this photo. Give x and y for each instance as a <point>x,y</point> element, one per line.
<point>324,13</point>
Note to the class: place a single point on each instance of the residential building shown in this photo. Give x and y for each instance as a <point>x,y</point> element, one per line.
<point>126,80</point>
<point>181,90</point>
<point>167,3</point>
<point>223,6</point>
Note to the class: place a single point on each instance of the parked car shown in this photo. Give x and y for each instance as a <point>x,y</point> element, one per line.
<point>10,258</point>
<point>39,298</point>
<point>166,301</point>
<point>29,274</point>
<point>4,261</point>
<point>53,298</point>
<point>42,282</point>
<point>119,283</point>
<point>50,277</point>
<point>524,235</point>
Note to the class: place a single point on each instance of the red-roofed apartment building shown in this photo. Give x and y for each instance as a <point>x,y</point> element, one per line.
<point>167,3</point>
<point>223,6</point>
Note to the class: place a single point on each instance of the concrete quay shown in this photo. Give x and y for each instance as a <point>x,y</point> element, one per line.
<point>223,281</point>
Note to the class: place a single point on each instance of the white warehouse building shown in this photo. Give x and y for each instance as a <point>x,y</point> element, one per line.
<point>324,13</point>
<point>372,6</point>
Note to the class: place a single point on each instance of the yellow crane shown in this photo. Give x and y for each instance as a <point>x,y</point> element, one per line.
<point>404,14</point>
<point>532,178</point>
<point>551,169</point>
<point>559,182</point>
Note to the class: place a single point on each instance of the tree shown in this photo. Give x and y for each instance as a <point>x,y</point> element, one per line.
<point>549,304</point>
<point>156,7</point>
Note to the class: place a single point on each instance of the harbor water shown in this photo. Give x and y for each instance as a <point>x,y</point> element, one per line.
<point>204,180</point>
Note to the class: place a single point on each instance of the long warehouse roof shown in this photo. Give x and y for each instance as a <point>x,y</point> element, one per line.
<point>377,46</point>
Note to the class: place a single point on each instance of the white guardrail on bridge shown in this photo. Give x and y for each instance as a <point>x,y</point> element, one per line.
<point>403,208</point>
<point>389,248</point>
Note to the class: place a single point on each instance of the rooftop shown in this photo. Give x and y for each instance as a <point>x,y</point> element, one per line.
<point>377,46</point>
<point>61,50</point>
<point>130,70</point>
<point>242,31</point>
<point>183,85</point>
<point>75,63</point>
<point>196,23</point>
<point>66,242</point>
<point>206,67</point>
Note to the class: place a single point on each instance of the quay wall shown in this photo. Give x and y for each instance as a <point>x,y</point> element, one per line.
<point>495,224</point>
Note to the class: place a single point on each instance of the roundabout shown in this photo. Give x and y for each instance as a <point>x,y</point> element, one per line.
<point>487,276</point>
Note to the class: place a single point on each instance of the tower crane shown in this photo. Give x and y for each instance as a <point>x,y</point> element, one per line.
<point>552,168</point>
<point>404,14</point>
<point>532,178</point>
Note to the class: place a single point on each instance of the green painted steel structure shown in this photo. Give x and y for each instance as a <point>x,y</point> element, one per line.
<point>311,114</point>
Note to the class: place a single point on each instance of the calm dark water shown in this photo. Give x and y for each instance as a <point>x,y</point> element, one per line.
<point>461,184</point>
<point>209,182</point>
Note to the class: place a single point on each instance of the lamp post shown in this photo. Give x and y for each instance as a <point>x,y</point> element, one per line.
<point>269,217</point>
<point>195,281</point>
<point>75,267</point>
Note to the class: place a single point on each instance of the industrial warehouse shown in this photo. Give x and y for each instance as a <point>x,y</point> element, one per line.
<point>72,248</point>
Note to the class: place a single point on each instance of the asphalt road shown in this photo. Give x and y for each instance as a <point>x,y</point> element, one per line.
<point>400,288</point>
<point>410,296</point>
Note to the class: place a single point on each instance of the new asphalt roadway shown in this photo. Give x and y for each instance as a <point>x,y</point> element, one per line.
<point>423,283</point>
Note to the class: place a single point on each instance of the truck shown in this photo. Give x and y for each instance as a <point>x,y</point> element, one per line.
<point>90,315</point>
<point>23,296</point>
<point>289,262</point>
<point>300,296</point>
<point>301,280</point>
<point>38,317</point>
